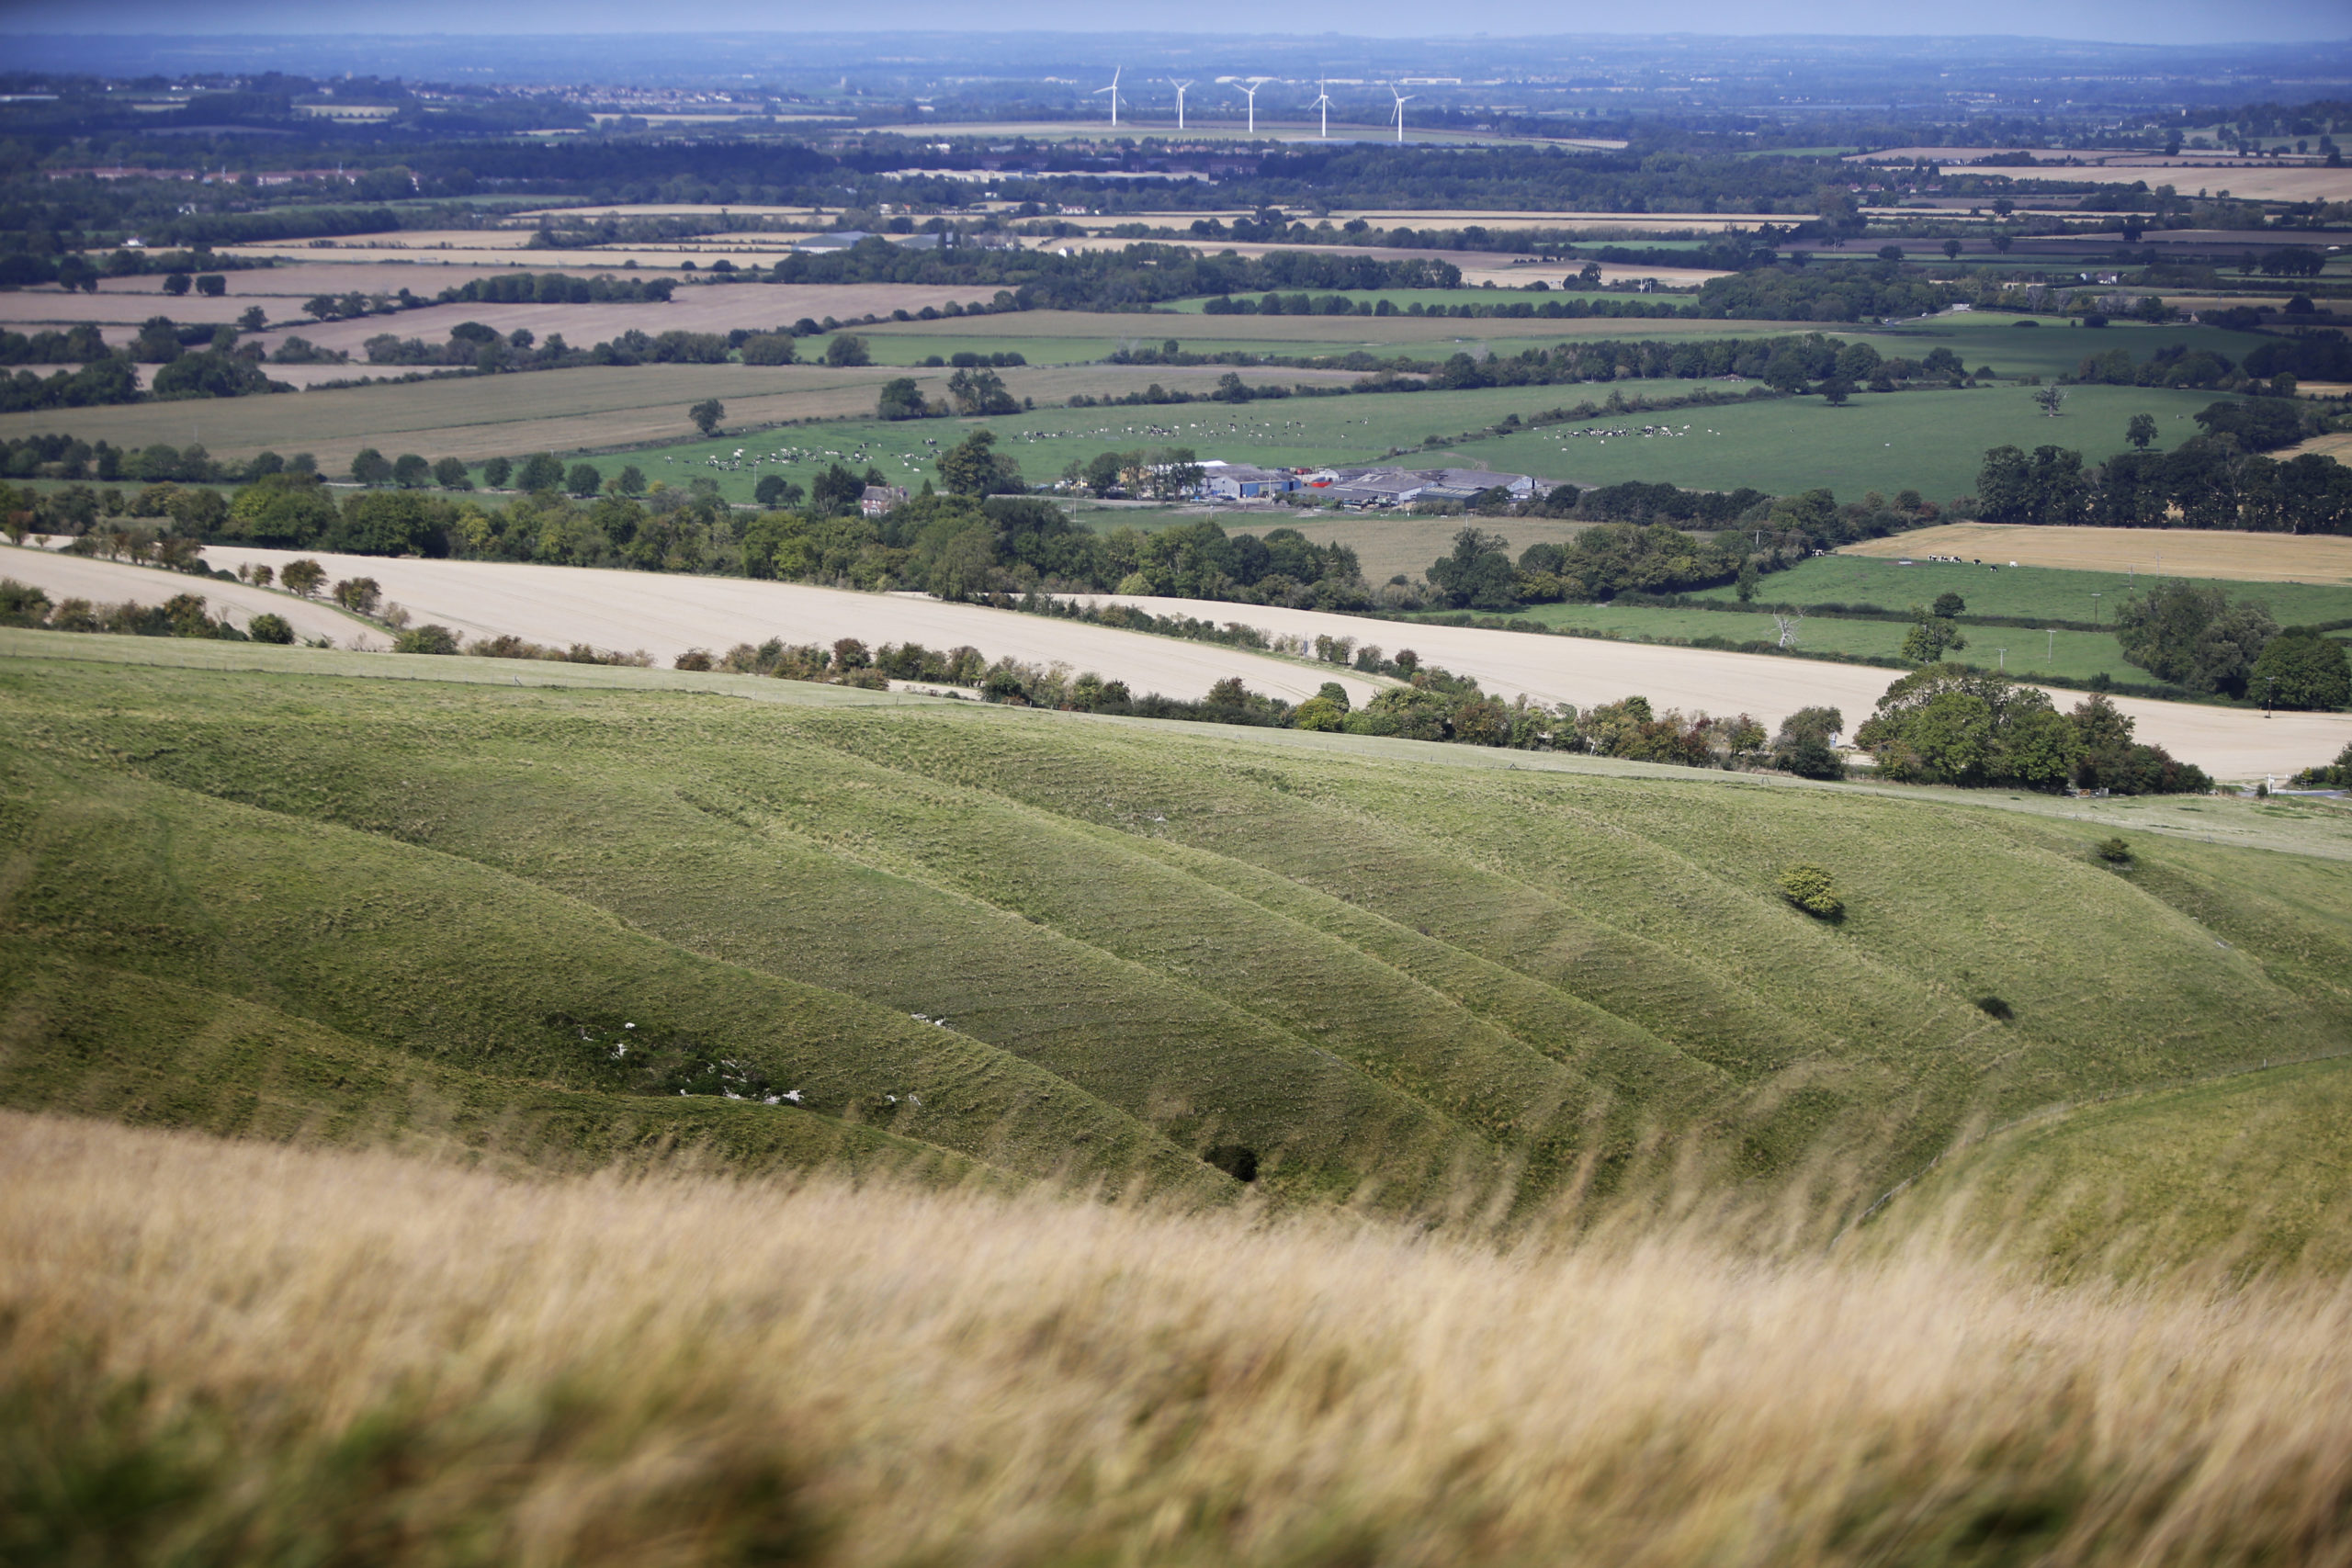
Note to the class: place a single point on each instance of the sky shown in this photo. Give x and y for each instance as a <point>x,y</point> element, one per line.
<point>2125,21</point>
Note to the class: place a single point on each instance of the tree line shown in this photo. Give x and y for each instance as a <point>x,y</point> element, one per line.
<point>2218,479</point>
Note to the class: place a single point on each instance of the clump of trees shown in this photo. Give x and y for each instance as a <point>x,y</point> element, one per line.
<point>1807,744</point>
<point>2197,638</point>
<point>1952,724</point>
<point>1597,563</point>
<point>2215,479</point>
<point>2302,668</point>
<point>183,615</point>
<point>2193,637</point>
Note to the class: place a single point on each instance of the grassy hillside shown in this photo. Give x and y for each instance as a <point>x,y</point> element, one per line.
<point>2241,1173</point>
<point>1142,955</point>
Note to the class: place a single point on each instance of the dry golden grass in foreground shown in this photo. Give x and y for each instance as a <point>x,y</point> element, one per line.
<point>215,1353</point>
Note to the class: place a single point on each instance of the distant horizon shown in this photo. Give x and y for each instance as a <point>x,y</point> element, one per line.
<point>2154,23</point>
<point>1616,38</point>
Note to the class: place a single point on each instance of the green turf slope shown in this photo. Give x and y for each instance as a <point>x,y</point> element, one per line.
<point>1145,943</point>
<point>2247,1172</point>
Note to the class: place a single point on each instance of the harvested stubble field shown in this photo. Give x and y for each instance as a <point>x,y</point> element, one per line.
<point>2337,444</point>
<point>2228,742</point>
<point>711,308</point>
<point>62,577</point>
<point>1342,331</point>
<point>875,1375</point>
<point>665,614</point>
<point>654,258</point>
<point>2247,181</point>
<point>656,210</point>
<point>292,280</point>
<point>1477,266</point>
<point>2186,552</point>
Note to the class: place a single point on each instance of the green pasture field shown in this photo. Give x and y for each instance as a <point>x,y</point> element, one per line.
<point>2074,655</point>
<point>280,900</point>
<point>2055,348</point>
<point>1045,337</point>
<point>470,417</point>
<point>1291,432</point>
<point>2020,590</point>
<point>1933,441</point>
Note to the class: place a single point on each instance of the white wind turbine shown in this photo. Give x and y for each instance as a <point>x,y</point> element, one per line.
<point>1251,92</point>
<point>1402,99</point>
<point>1323,102</point>
<point>1180,87</point>
<point>1113,90</point>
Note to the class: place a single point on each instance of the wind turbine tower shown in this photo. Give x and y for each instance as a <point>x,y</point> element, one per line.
<point>1323,102</point>
<point>1180,87</point>
<point>1251,92</point>
<point>1402,99</point>
<point>1113,90</point>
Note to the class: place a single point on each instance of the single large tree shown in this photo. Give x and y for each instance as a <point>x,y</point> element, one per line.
<point>973,467</point>
<point>980,392</point>
<point>1477,574</point>
<point>707,415</point>
<point>539,471</point>
<point>901,399</point>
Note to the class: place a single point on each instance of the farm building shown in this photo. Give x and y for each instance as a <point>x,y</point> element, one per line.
<point>1243,481</point>
<point>881,499</point>
<point>1404,487</point>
